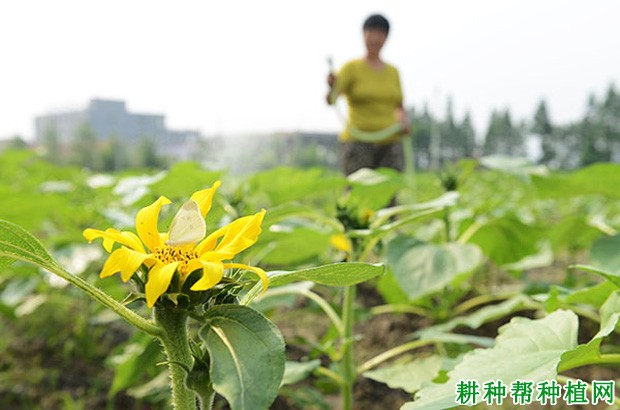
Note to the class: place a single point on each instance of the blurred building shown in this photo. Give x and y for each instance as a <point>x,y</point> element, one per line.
<point>110,119</point>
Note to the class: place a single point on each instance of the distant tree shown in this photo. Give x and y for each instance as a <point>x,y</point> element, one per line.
<point>84,149</point>
<point>594,144</point>
<point>542,124</point>
<point>17,142</point>
<point>146,154</point>
<point>502,137</point>
<point>450,143</point>
<point>51,144</point>
<point>467,136</point>
<point>113,154</point>
<point>610,119</point>
<point>421,135</point>
<point>542,127</point>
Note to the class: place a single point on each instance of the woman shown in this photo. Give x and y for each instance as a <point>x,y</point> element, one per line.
<point>375,99</point>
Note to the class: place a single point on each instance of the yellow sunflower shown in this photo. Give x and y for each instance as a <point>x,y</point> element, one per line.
<point>185,248</point>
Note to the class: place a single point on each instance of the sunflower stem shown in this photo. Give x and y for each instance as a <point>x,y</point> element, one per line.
<point>175,341</point>
<point>348,370</point>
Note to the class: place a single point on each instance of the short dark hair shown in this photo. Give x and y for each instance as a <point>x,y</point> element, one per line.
<point>377,21</point>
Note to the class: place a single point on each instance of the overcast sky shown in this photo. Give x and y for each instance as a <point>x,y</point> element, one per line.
<point>245,66</point>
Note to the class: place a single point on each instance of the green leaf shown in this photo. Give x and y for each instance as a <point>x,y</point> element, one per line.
<point>412,211</point>
<point>610,276</point>
<point>447,199</point>
<point>297,210</point>
<point>572,232</point>
<point>247,356</point>
<point>422,268</point>
<point>140,354</point>
<point>390,289</point>
<point>525,349</point>
<point>16,243</point>
<point>605,253</point>
<point>587,353</point>
<point>409,376</point>
<point>284,184</point>
<point>183,178</point>
<point>481,316</point>
<point>335,274</point>
<point>292,246</point>
<point>295,372</point>
<point>520,167</point>
<point>506,240</point>
<point>601,178</point>
<point>594,295</point>
<point>372,189</point>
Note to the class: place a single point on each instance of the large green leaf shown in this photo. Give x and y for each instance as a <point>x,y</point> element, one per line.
<point>409,376</point>
<point>605,253</point>
<point>506,240</point>
<point>247,356</point>
<point>601,178</point>
<point>572,232</point>
<point>286,184</point>
<point>422,268</point>
<point>183,178</point>
<point>16,243</point>
<point>372,189</point>
<point>525,349</point>
<point>292,246</point>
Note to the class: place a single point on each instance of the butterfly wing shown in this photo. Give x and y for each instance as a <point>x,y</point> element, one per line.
<point>188,225</point>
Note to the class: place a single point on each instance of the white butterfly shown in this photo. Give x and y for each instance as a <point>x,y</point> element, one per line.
<point>188,225</point>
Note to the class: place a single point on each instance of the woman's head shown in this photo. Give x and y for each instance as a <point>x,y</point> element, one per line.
<point>376,29</point>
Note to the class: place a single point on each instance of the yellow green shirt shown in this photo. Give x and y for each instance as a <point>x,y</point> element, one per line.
<point>372,95</point>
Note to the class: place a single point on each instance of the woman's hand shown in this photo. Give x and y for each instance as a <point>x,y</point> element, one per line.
<point>403,119</point>
<point>331,80</point>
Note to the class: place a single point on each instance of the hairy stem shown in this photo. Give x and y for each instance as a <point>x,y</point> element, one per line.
<point>175,340</point>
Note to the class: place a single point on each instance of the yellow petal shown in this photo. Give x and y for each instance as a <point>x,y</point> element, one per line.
<point>212,273</point>
<point>236,237</point>
<point>190,266</point>
<point>261,273</point>
<point>340,242</point>
<point>110,236</point>
<point>125,261</point>
<point>159,279</point>
<point>204,198</point>
<point>146,223</point>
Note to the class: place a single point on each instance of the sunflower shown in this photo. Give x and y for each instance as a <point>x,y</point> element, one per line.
<point>184,249</point>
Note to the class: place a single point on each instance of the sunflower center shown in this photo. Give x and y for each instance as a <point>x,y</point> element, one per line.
<point>169,254</point>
